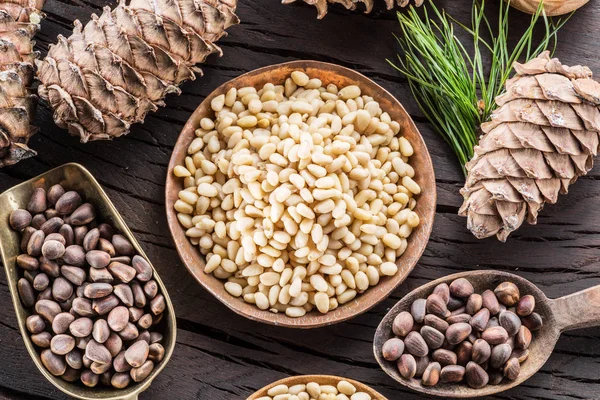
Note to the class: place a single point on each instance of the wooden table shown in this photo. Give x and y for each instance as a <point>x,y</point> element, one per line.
<point>222,356</point>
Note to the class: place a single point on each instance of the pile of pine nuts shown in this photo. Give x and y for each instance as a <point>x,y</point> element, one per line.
<point>344,390</point>
<point>300,196</point>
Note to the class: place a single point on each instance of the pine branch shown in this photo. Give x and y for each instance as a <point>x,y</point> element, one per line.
<point>454,88</point>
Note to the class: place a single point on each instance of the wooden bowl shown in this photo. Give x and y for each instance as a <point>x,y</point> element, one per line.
<point>321,380</point>
<point>75,177</point>
<point>552,7</point>
<point>327,73</point>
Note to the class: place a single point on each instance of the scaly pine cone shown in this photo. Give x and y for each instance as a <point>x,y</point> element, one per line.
<point>111,72</point>
<point>19,22</point>
<point>322,5</point>
<point>541,139</point>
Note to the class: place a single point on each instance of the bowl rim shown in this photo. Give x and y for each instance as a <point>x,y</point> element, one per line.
<point>297,379</point>
<point>132,392</point>
<point>190,256</point>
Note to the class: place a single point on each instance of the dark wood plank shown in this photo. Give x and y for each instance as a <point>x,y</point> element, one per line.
<point>223,356</point>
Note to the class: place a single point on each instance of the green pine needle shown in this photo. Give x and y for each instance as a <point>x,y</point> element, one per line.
<point>453,87</point>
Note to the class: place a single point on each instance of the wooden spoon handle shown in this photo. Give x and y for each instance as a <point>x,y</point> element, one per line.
<point>577,310</point>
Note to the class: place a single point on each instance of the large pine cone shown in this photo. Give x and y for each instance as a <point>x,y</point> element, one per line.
<point>322,5</point>
<point>111,72</point>
<point>540,140</point>
<point>19,22</point>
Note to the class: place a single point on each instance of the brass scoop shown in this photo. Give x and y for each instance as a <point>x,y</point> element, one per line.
<point>75,177</point>
<point>577,310</point>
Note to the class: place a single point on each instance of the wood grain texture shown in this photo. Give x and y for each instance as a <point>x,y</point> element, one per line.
<point>222,356</point>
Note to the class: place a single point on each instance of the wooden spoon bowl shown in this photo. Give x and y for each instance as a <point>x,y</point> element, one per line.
<point>321,380</point>
<point>195,262</point>
<point>578,310</point>
<point>552,7</point>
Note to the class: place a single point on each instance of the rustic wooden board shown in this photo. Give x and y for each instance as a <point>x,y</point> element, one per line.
<point>223,356</point>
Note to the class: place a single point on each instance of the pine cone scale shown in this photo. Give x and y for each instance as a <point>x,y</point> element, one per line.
<point>589,141</point>
<point>588,89</point>
<point>531,136</point>
<point>590,116</point>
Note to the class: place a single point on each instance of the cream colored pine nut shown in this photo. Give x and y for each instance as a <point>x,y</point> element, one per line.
<point>331,270</point>
<point>388,268</point>
<point>346,388</point>
<point>261,301</point>
<point>413,220</point>
<point>274,294</point>
<point>190,165</point>
<point>279,389</point>
<point>284,295</point>
<point>185,220</point>
<point>329,389</point>
<point>233,289</point>
<point>362,281</point>
<point>319,283</point>
<point>348,278</point>
<point>212,264</point>
<point>269,278</point>
<point>183,207</point>
<point>295,312</point>
<point>322,302</point>
<point>297,389</point>
<point>299,300</point>
<point>347,296</point>
<point>360,396</point>
<point>391,240</point>
<point>349,92</point>
<point>373,275</point>
<point>218,102</point>
<point>300,78</point>
<point>404,232</point>
<point>411,185</point>
<point>181,172</point>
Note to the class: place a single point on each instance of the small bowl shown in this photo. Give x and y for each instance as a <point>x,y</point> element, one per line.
<point>552,7</point>
<point>321,380</point>
<point>421,161</point>
<point>75,177</point>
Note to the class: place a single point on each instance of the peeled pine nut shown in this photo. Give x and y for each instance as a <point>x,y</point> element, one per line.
<point>300,196</point>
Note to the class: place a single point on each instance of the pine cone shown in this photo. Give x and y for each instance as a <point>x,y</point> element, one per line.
<point>542,137</point>
<point>19,22</point>
<point>111,72</point>
<point>322,5</point>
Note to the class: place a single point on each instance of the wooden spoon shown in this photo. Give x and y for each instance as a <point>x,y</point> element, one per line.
<point>321,380</point>
<point>578,310</point>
